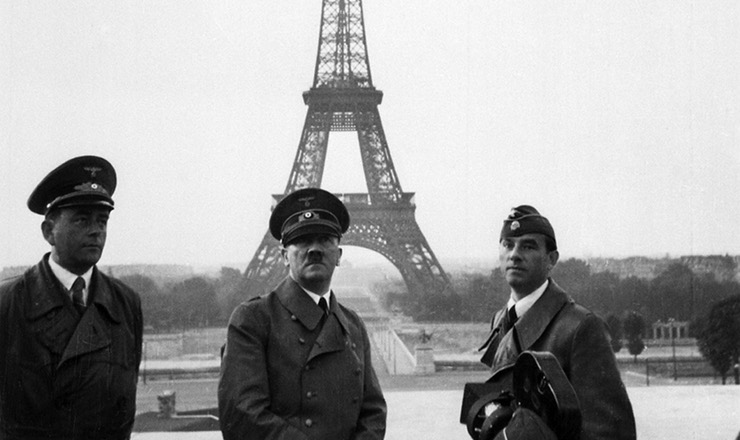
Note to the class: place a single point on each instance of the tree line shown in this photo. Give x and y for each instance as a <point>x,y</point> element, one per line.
<point>629,305</point>
<point>675,293</point>
<point>195,302</point>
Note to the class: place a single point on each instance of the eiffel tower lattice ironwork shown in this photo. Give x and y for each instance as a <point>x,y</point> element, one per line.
<point>343,98</point>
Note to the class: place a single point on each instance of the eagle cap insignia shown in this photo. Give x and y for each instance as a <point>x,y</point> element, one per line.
<point>306,200</point>
<point>515,225</point>
<point>92,170</point>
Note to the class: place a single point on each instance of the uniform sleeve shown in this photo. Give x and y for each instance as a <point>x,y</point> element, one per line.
<point>244,389</point>
<point>605,407</point>
<point>371,423</point>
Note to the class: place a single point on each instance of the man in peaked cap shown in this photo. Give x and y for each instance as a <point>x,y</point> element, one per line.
<point>70,342</point>
<point>296,363</point>
<point>540,316</point>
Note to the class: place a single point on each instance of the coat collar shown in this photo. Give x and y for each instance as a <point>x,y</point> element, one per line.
<point>532,324</point>
<point>46,293</point>
<point>298,303</point>
<point>504,348</point>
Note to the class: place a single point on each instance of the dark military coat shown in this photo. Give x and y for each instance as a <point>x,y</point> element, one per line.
<point>63,375</point>
<point>580,342</point>
<point>287,373</point>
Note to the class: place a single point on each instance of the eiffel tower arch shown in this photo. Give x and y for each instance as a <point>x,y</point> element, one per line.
<point>343,98</point>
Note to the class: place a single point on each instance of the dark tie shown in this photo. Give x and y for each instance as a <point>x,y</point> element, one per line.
<point>324,306</point>
<point>77,294</point>
<point>510,319</point>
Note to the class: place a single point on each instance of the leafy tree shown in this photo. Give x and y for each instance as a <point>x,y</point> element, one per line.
<point>443,306</point>
<point>155,305</point>
<point>481,295</point>
<point>601,292</point>
<point>195,303</point>
<point>573,276</point>
<point>633,293</point>
<point>615,330</point>
<point>719,338</point>
<point>634,328</point>
<point>229,288</point>
<point>672,293</point>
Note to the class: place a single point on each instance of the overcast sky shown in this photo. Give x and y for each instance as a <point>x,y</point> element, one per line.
<point>618,120</point>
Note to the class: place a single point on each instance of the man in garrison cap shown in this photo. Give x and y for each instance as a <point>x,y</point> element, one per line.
<point>540,316</point>
<point>70,336</point>
<point>296,364</point>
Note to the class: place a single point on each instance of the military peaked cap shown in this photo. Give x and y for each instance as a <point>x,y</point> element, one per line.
<point>308,211</point>
<point>82,181</point>
<point>524,219</point>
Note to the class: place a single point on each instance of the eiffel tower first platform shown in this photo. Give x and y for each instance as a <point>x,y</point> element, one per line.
<point>343,98</point>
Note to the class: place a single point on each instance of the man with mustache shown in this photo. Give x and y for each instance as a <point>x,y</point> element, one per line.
<point>70,336</point>
<point>296,363</point>
<point>540,316</point>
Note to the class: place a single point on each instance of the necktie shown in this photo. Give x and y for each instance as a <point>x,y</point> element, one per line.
<point>77,294</point>
<point>324,306</point>
<point>510,319</point>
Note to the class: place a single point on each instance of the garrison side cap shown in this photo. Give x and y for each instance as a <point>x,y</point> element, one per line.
<point>308,211</point>
<point>81,181</point>
<point>525,219</point>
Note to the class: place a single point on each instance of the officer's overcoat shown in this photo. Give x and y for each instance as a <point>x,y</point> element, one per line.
<point>284,375</point>
<point>580,342</point>
<point>62,375</point>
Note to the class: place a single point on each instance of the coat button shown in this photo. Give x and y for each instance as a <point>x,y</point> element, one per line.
<point>309,395</point>
<point>293,317</point>
<point>355,399</point>
<point>308,423</point>
<point>357,372</point>
<point>301,340</point>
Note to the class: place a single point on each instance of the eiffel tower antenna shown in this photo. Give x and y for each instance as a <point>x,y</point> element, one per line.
<point>343,98</point>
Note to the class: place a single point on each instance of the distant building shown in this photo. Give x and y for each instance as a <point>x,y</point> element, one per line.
<point>670,331</point>
<point>723,267</point>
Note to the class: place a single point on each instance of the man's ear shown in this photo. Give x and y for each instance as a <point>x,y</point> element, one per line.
<point>553,256</point>
<point>47,230</point>
<point>284,254</point>
<point>339,258</point>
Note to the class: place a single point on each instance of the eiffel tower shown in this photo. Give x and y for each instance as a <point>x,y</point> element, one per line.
<point>343,98</point>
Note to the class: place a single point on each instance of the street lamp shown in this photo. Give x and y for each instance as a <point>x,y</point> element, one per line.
<point>673,345</point>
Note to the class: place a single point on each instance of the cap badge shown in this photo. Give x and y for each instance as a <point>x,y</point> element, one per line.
<point>515,225</point>
<point>306,200</point>
<point>92,170</point>
<point>307,215</point>
<point>90,186</point>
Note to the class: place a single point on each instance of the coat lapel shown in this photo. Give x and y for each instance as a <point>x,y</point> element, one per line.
<point>493,339</point>
<point>298,303</point>
<point>93,332</point>
<point>331,338</point>
<point>504,348</point>
<point>331,335</point>
<point>533,324</point>
<point>48,309</point>
<point>45,292</point>
<point>47,297</point>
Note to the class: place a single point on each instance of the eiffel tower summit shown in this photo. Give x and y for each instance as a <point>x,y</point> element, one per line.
<point>343,98</point>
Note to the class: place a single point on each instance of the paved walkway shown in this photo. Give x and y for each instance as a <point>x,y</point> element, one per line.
<point>662,413</point>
